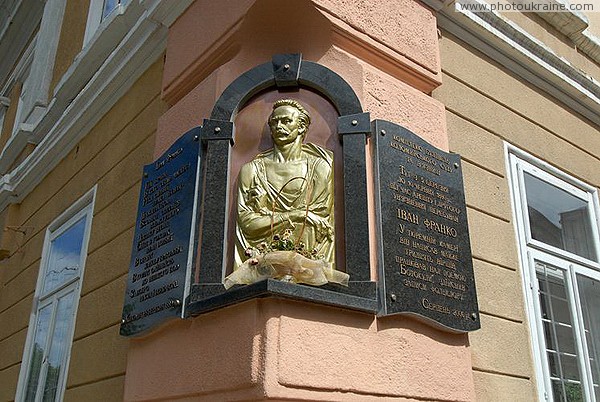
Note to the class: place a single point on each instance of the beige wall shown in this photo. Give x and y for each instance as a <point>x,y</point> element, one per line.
<point>594,20</point>
<point>486,105</point>
<point>111,155</point>
<point>592,16</point>
<point>71,39</point>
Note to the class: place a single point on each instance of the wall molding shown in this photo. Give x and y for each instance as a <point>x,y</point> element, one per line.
<point>217,54</point>
<point>380,55</point>
<point>42,66</point>
<point>529,58</point>
<point>575,25</point>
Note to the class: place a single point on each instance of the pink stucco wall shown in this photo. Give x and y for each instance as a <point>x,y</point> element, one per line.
<point>279,349</point>
<point>209,47</point>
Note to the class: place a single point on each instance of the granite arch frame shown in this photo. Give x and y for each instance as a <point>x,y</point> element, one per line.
<point>217,135</point>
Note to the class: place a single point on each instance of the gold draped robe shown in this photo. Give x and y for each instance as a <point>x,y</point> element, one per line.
<point>259,201</point>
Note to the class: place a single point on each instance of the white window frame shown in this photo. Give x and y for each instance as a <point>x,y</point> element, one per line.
<point>530,250</point>
<point>83,207</point>
<point>565,185</point>
<point>95,18</point>
<point>25,91</point>
<point>35,70</point>
<point>21,74</point>
<point>42,66</point>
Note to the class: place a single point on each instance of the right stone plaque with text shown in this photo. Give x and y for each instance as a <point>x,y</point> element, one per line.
<point>425,265</point>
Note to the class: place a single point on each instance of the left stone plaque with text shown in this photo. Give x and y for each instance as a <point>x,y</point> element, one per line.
<point>163,245</point>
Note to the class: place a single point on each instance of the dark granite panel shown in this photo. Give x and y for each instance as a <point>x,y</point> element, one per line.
<point>330,84</point>
<point>425,262</point>
<point>209,297</point>
<point>241,90</point>
<point>217,130</point>
<point>214,211</point>
<point>286,69</point>
<point>359,123</point>
<point>356,227</point>
<point>163,245</point>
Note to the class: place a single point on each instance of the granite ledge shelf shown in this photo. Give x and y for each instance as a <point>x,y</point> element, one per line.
<point>361,296</point>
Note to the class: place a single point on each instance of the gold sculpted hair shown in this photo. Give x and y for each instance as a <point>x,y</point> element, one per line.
<point>304,116</point>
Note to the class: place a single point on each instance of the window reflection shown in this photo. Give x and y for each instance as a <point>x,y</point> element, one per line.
<point>589,291</point>
<point>558,218</point>
<point>561,351</point>
<point>37,354</point>
<point>65,256</point>
<point>109,6</point>
<point>57,347</point>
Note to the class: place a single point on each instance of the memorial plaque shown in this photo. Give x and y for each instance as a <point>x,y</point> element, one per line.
<point>163,246</point>
<point>424,251</point>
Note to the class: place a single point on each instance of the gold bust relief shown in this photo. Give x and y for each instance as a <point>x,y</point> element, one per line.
<point>285,207</point>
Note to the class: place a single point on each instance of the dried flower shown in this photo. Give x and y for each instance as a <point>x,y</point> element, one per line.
<point>283,242</point>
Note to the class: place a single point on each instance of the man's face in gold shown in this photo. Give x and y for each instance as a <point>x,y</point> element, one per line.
<point>285,125</point>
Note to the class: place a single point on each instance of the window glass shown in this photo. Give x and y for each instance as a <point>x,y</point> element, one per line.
<point>57,346</point>
<point>589,293</point>
<point>558,218</point>
<point>37,354</point>
<point>565,373</point>
<point>65,256</point>
<point>99,11</point>
<point>109,6</point>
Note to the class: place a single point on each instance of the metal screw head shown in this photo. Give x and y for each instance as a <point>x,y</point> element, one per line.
<point>123,321</point>
<point>473,316</point>
<point>196,138</point>
<point>176,302</point>
<point>383,132</point>
<point>286,66</point>
<point>393,297</point>
<point>456,165</point>
<point>145,174</point>
<point>217,129</point>
<point>354,122</point>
